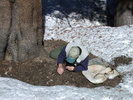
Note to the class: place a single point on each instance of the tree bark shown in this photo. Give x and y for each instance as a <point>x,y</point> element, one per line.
<point>123,12</point>
<point>20,29</point>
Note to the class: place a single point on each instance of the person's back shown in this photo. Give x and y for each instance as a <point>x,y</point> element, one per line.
<point>76,57</point>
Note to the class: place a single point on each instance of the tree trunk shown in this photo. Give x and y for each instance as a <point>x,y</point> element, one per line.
<point>123,12</point>
<point>20,29</point>
<point>110,12</point>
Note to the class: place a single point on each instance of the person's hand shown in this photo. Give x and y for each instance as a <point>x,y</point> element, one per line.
<point>70,68</point>
<point>60,69</point>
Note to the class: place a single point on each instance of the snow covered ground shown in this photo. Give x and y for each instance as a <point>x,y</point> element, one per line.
<point>11,89</point>
<point>103,41</point>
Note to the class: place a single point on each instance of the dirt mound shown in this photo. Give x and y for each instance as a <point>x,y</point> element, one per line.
<point>42,71</point>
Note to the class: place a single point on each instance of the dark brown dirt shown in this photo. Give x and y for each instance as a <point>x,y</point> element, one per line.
<point>42,71</point>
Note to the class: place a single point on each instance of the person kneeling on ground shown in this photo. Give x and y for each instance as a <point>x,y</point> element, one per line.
<point>76,58</point>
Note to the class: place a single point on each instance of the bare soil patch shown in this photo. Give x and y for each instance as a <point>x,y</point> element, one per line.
<point>42,71</point>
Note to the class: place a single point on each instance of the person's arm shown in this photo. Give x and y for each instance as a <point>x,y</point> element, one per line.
<point>83,65</point>
<point>62,56</point>
<point>61,59</point>
<point>60,69</point>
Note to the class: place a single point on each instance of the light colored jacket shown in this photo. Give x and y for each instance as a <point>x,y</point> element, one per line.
<point>83,54</point>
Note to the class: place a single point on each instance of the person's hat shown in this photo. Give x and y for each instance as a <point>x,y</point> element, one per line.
<point>73,54</point>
